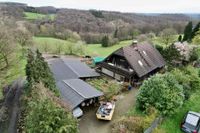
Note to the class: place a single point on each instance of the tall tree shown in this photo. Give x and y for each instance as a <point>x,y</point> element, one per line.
<point>105,41</point>
<point>188,32</point>
<point>37,70</point>
<point>7,47</point>
<point>195,30</point>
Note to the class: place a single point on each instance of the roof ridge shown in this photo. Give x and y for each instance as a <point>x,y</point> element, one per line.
<point>71,68</point>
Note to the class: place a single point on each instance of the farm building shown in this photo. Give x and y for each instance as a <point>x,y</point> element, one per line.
<point>78,93</point>
<point>69,75</point>
<point>132,63</point>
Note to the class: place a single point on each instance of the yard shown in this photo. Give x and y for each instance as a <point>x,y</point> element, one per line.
<point>35,16</point>
<point>89,123</point>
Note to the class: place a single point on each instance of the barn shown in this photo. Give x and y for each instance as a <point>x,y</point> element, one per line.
<point>70,75</point>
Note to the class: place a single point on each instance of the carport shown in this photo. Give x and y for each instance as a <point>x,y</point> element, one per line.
<point>77,92</point>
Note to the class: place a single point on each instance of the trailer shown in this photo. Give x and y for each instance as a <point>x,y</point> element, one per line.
<point>106,111</point>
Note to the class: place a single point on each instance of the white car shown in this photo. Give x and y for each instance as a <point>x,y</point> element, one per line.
<point>77,112</point>
<point>191,123</point>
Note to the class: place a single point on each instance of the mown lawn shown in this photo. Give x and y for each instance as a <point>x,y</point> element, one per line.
<point>35,16</point>
<point>98,50</point>
<point>48,44</point>
<point>172,124</point>
<point>51,45</point>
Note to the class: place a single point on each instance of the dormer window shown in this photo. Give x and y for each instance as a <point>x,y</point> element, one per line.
<point>144,52</point>
<point>140,63</point>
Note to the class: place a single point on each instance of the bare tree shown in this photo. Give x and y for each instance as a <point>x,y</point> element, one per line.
<point>7,47</point>
<point>23,37</point>
<point>167,36</point>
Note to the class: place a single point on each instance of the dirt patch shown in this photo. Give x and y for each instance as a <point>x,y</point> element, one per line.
<point>89,123</point>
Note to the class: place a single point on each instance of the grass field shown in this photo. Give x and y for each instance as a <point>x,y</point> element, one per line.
<point>47,44</point>
<point>13,72</point>
<point>172,124</point>
<point>97,49</point>
<point>51,45</point>
<point>35,16</point>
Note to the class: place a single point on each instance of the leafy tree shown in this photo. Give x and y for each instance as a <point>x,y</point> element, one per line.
<point>170,53</point>
<point>162,92</point>
<point>105,41</point>
<point>168,36</point>
<point>188,32</point>
<point>196,39</point>
<point>180,38</point>
<point>195,30</point>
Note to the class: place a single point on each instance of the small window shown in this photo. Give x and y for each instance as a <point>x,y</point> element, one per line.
<point>140,63</point>
<point>145,53</point>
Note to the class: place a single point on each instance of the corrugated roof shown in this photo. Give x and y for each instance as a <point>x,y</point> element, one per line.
<point>143,58</point>
<point>70,69</point>
<point>60,70</point>
<point>75,91</point>
<point>81,69</point>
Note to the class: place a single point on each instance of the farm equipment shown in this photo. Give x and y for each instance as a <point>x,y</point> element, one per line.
<point>105,111</point>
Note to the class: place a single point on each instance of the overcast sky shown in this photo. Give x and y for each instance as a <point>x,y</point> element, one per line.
<point>139,6</point>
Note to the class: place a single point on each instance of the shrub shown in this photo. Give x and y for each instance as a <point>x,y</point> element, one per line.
<point>128,125</point>
<point>162,92</point>
<point>44,115</point>
<point>195,54</point>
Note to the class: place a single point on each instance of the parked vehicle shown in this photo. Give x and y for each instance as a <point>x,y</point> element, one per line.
<point>77,112</point>
<point>105,111</point>
<point>191,123</point>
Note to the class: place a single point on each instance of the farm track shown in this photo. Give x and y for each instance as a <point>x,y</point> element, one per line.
<point>11,107</point>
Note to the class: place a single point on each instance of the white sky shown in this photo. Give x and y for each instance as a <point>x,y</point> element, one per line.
<point>139,6</point>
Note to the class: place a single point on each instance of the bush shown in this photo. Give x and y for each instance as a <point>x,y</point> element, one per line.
<point>128,125</point>
<point>195,54</point>
<point>162,92</point>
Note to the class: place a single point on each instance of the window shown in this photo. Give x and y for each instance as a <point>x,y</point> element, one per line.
<point>140,63</point>
<point>145,53</point>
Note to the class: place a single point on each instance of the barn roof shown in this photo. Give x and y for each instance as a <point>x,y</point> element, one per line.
<point>75,91</point>
<point>80,68</point>
<point>143,58</point>
<point>70,69</point>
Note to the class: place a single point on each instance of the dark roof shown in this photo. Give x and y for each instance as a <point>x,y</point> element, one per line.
<point>70,69</point>
<point>143,58</point>
<point>81,69</point>
<point>61,71</point>
<point>75,91</point>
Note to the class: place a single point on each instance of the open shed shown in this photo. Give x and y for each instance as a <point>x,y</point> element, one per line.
<point>76,92</point>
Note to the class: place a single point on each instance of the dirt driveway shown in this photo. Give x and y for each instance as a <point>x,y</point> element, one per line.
<point>89,123</point>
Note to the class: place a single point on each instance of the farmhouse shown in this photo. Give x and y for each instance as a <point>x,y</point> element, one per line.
<point>132,63</point>
<point>69,75</point>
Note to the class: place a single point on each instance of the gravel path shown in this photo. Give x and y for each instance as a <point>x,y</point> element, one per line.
<point>89,123</point>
